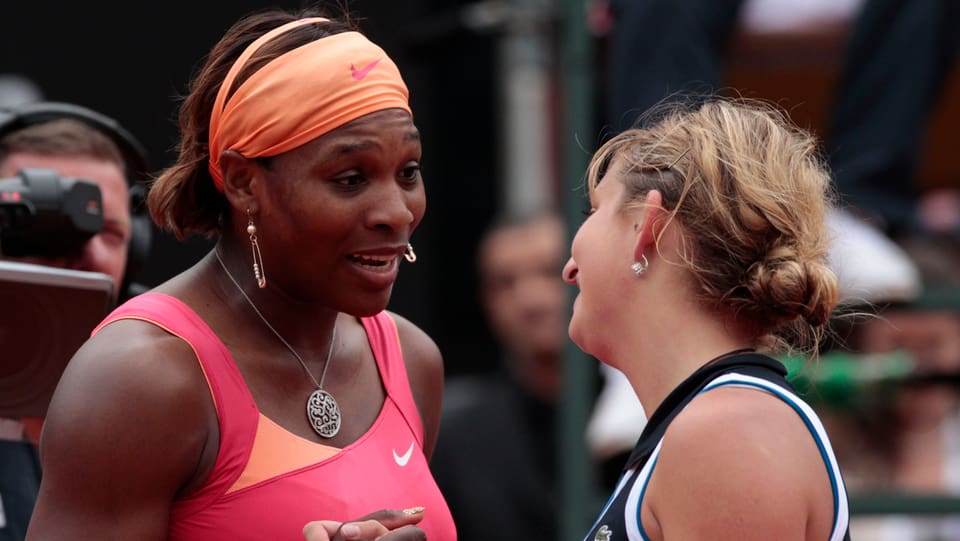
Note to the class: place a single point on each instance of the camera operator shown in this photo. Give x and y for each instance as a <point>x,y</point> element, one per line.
<point>80,144</point>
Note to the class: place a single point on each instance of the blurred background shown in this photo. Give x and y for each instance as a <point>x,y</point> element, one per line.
<point>487,90</point>
<point>511,98</point>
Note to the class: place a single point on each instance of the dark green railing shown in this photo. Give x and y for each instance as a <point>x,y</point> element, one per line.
<point>901,503</point>
<point>577,485</point>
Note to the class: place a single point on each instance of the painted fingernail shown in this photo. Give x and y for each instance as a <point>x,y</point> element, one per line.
<point>350,531</point>
<point>413,510</point>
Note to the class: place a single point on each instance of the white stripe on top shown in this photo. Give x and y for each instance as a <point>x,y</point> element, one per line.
<point>841,512</point>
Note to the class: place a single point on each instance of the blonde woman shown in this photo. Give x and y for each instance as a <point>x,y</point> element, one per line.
<point>705,248</point>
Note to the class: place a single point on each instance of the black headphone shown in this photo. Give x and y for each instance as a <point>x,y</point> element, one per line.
<point>134,155</point>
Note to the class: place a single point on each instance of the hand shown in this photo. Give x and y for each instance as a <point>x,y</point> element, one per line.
<point>384,525</point>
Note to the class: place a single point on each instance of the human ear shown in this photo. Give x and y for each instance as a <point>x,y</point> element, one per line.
<point>649,226</point>
<point>240,176</point>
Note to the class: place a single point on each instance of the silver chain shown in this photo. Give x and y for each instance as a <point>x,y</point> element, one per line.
<point>333,337</point>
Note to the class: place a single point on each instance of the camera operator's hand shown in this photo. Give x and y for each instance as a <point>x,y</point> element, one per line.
<point>383,525</point>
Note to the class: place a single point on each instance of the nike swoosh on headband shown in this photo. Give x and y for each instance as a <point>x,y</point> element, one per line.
<point>359,74</point>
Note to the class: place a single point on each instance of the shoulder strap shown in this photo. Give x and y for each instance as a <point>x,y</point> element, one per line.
<point>841,512</point>
<point>236,411</point>
<point>749,363</point>
<point>385,343</point>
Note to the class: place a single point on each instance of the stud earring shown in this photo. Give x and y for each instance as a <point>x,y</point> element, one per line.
<point>255,248</point>
<point>409,254</point>
<point>640,267</point>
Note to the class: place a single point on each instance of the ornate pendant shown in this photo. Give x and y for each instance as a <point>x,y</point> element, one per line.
<point>323,413</point>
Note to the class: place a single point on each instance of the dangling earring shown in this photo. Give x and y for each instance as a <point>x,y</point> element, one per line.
<point>640,267</point>
<point>409,254</point>
<point>255,248</point>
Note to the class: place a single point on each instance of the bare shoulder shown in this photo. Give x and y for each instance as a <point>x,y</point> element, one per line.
<point>742,462</point>
<point>417,345</point>
<point>425,371</point>
<point>132,413</point>
<point>739,426</point>
<point>133,380</point>
<point>131,358</point>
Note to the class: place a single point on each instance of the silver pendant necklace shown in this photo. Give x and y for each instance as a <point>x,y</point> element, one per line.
<point>323,412</point>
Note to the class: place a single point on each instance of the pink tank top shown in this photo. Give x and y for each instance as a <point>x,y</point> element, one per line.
<point>267,483</point>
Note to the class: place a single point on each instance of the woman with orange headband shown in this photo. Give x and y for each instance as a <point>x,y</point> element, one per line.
<point>265,393</point>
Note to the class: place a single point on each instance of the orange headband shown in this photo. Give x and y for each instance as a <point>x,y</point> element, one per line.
<point>301,95</point>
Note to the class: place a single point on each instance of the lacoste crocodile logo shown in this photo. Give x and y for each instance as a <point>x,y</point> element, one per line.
<point>603,534</point>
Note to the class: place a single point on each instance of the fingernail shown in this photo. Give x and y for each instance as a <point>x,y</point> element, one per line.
<point>350,531</point>
<point>413,510</point>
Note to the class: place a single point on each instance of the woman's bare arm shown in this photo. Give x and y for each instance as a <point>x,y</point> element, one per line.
<point>123,437</point>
